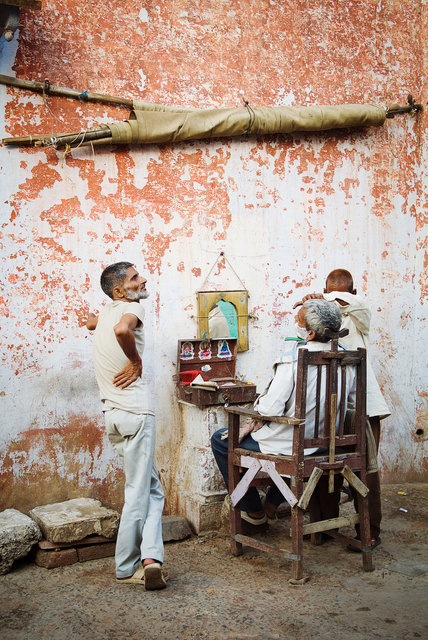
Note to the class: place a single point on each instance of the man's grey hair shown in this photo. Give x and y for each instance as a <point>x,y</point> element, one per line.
<point>113,276</point>
<point>322,317</point>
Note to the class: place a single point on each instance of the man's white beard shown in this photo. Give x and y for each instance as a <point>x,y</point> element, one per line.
<point>136,295</point>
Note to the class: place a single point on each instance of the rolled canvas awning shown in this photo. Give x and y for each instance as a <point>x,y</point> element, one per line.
<point>153,123</point>
<point>157,124</point>
<point>150,124</point>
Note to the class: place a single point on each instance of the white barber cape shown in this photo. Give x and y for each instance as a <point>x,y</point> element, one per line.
<point>280,399</point>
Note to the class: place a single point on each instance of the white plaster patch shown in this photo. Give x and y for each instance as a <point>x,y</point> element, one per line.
<point>142,84</point>
<point>285,98</point>
<point>143,15</point>
<point>399,202</point>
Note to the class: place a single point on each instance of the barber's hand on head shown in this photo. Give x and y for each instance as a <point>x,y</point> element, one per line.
<point>128,375</point>
<point>310,296</point>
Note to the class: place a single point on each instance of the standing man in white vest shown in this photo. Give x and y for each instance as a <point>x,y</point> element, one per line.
<point>130,422</point>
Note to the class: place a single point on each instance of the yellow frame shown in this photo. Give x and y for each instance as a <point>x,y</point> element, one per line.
<point>207,300</point>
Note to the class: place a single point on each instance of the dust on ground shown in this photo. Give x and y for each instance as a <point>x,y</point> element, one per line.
<point>212,594</point>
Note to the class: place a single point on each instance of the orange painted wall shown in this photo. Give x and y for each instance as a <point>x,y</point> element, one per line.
<point>285,209</point>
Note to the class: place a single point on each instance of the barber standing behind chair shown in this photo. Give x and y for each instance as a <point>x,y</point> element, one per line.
<point>339,288</point>
<point>316,323</point>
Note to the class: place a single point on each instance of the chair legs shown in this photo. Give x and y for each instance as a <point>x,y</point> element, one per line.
<point>235,528</point>
<point>297,535</point>
<point>297,543</point>
<point>235,514</point>
<point>363,510</point>
<point>322,506</point>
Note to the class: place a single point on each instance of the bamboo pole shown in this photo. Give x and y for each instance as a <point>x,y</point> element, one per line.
<point>59,141</point>
<point>50,89</point>
<point>24,141</point>
<point>396,109</point>
<point>75,139</point>
<point>90,96</point>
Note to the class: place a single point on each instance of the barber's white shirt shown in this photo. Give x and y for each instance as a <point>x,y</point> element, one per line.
<point>356,318</point>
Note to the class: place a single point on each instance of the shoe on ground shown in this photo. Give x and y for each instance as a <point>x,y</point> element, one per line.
<point>373,543</point>
<point>137,578</point>
<point>270,519</point>
<point>254,521</point>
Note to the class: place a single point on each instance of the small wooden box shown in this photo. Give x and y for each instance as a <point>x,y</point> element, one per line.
<point>216,359</point>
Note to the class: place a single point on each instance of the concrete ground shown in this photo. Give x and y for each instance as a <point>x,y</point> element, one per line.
<point>212,594</point>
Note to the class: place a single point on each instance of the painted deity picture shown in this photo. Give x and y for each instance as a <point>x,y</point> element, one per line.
<point>205,350</point>
<point>224,349</point>
<point>187,352</point>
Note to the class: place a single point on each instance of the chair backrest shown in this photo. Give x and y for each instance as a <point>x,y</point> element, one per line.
<point>334,369</point>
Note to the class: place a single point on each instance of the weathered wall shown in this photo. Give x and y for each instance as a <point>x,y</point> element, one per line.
<point>285,210</point>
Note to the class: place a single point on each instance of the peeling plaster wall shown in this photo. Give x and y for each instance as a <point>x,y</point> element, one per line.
<point>286,210</point>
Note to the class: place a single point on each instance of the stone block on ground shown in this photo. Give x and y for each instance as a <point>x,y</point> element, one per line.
<point>95,551</point>
<point>175,528</point>
<point>18,533</point>
<point>75,519</point>
<point>54,559</point>
<point>51,555</point>
<point>90,540</point>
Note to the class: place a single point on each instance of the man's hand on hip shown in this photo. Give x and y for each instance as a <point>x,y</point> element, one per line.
<point>128,375</point>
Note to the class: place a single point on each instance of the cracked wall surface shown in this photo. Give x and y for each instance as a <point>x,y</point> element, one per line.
<point>284,209</point>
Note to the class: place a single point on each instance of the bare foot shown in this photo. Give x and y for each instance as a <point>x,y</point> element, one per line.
<point>148,561</point>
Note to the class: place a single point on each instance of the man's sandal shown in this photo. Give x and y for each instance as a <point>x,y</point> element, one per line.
<point>270,519</point>
<point>137,578</point>
<point>255,521</point>
<point>151,577</point>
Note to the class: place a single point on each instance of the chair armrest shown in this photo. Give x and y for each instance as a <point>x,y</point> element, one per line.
<point>255,415</point>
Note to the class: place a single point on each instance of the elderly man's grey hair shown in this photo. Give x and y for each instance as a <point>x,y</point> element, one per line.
<point>323,317</point>
<point>113,276</point>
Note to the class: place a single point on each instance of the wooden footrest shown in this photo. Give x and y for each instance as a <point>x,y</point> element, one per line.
<point>333,523</point>
<point>263,546</point>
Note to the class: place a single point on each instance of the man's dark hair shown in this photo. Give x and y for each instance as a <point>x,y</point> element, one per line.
<point>113,276</point>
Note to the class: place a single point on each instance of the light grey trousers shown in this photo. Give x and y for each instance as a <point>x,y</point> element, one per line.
<point>140,531</point>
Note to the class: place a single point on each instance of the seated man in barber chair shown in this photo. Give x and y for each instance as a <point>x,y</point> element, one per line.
<point>317,322</point>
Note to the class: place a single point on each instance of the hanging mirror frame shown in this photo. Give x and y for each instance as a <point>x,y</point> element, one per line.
<point>208,299</point>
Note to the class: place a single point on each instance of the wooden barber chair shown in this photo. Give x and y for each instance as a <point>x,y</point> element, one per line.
<point>341,453</point>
